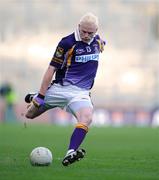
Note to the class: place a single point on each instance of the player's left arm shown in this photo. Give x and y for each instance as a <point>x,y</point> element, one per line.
<point>101,43</point>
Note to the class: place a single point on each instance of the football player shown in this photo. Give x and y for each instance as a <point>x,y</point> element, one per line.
<point>74,64</point>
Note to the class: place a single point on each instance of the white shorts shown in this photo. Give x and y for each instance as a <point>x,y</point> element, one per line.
<point>70,97</point>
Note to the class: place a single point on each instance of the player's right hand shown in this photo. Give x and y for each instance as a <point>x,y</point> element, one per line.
<point>38,100</point>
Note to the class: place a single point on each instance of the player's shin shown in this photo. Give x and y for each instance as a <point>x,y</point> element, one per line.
<point>34,111</point>
<point>78,136</point>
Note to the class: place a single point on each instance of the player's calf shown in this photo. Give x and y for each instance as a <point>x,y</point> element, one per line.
<point>32,111</point>
<point>36,106</point>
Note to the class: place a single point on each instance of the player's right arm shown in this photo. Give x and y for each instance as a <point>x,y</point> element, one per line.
<point>47,78</point>
<point>56,63</point>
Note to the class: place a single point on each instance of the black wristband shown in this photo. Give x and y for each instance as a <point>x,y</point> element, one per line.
<point>41,96</point>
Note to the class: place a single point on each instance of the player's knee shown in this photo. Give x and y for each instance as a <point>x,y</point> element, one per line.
<point>29,115</point>
<point>31,111</point>
<point>89,120</point>
<point>86,118</point>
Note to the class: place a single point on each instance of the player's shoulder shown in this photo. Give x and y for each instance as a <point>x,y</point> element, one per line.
<point>69,40</point>
<point>97,37</point>
<point>69,37</point>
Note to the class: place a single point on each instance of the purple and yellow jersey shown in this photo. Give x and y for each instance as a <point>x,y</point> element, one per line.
<point>76,61</point>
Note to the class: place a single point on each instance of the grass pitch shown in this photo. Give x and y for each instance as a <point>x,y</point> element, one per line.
<point>112,153</point>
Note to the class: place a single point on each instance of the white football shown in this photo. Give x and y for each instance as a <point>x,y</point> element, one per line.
<point>41,156</point>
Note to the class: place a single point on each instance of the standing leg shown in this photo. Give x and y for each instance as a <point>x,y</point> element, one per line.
<point>84,118</point>
<point>78,136</point>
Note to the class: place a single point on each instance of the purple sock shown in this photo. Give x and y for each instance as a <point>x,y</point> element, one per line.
<point>77,137</point>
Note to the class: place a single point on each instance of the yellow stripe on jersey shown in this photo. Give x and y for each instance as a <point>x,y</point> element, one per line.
<point>82,126</point>
<point>101,45</point>
<point>57,60</point>
<point>69,56</point>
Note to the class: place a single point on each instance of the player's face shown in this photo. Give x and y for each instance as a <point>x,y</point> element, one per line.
<point>87,31</point>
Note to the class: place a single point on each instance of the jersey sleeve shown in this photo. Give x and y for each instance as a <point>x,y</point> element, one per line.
<point>101,43</point>
<point>59,55</point>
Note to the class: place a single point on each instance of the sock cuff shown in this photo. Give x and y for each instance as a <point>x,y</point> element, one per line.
<point>82,126</point>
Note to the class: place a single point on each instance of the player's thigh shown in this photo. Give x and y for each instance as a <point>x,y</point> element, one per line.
<point>83,111</point>
<point>55,96</point>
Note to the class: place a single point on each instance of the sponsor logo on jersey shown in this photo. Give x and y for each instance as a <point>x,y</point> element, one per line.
<point>80,51</point>
<point>86,58</point>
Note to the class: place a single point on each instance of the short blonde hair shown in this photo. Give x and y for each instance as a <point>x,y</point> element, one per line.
<point>89,18</point>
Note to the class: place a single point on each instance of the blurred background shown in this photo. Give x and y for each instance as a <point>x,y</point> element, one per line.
<point>126,90</point>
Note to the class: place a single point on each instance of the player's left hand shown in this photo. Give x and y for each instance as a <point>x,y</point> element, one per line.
<point>102,45</point>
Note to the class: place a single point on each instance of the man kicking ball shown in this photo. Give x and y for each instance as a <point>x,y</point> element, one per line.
<point>74,64</point>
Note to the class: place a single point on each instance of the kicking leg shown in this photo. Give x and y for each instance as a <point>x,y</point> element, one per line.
<point>28,98</point>
<point>32,110</point>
